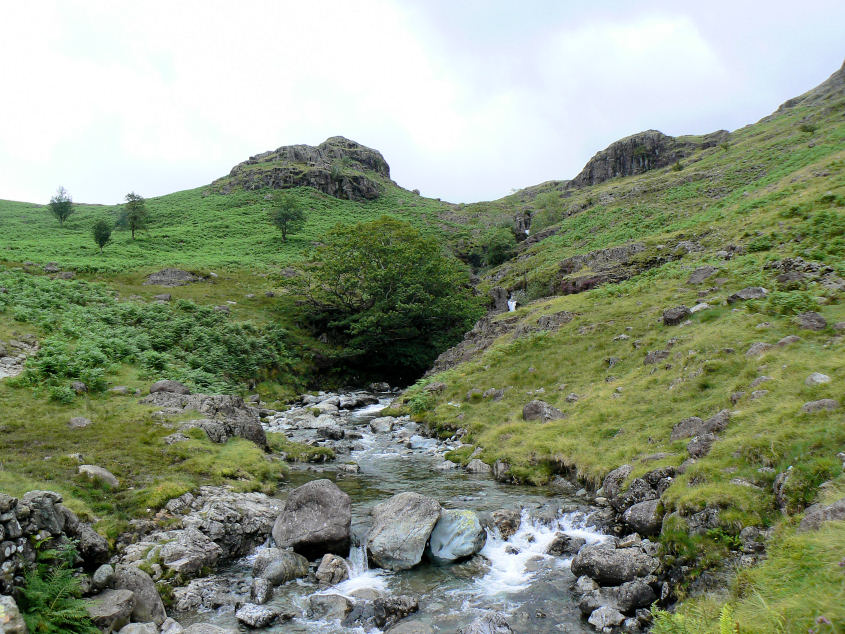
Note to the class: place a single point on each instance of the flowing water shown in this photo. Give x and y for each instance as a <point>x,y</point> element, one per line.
<point>512,576</point>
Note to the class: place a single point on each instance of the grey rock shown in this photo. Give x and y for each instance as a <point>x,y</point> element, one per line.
<point>139,628</point>
<point>457,534</point>
<point>507,521</point>
<point>411,627</point>
<point>758,348</point>
<point>542,411</point>
<point>260,591</point>
<point>702,273</point>
<point>674,316</point>
<point>382,425</point>
<point>613,481</point>
<point>563,544</point>
<point>171,277</point>
<point>255,616</point>
<point>400,531</point>
<point>811,320</point>
<point>110,610</point>
<point>11,619</point>
<point>279,566</point>
<point>644,517</point>
<point>173,387</point>
<point>817,514</point>
<point>93,472</point>
<point>332,570</point>
<point>162,297</point>
<point>170,626</point>
<point>752,292</point>
<point>206,628</point>
<point>121,390</point>
<point>477,466</point>
<point>79,387</point>
<point>605,617</point>
<point>148,603</point>
<point>315,520</point>
<point>823,405</point>
<point>816,378</point>
<point>490,623</point>
<point>91,546</point>
<point>188,551</point>
<point>584,585</point>
<point>501,471</point>
<point>700,446</point>
<point>655,356</point>
<point>788,340</point>
<point>103,577</point>
<point>79,422</point>
<point>610,566</point>
<point>329,606</point>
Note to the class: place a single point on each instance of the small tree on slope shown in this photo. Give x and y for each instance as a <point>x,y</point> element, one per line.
<point>61,205</point>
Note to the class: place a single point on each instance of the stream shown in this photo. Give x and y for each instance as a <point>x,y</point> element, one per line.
<point>515,576</point>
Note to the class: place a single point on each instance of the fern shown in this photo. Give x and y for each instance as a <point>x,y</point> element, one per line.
<point>726,620</point>
<point>50,597</point>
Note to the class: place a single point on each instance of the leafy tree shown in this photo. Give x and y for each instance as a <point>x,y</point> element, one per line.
<point>102,233</point>
<point>499,245</point>
<point>61,205</point>
<point>549,210</point>
<point>136,212</point>
<point>286,215</point>
<point>388,295</point>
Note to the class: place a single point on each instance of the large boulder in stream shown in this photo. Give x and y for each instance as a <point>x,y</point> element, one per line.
<point>315,520</point>
<point>611,566</point>
<point>401,528</point>
<point>457,535</point>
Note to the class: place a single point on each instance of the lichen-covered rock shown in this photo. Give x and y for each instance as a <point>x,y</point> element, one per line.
<point>400,531</point>
<point>456,535</point>
<point>644,517</point>
<point>11,620</point>
<point>255,616</point>
<point>608,565</point>
<point>752,292</point>
<point>823,405</point>
<point>542,411</point>
<point>605,617</point>
<point>148,603</point>
<point>811,320</point>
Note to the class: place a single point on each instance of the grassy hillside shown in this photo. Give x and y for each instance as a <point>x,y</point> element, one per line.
<point>776,191</point>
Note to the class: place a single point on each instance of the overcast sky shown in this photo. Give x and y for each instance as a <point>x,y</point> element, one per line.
<point>465,99</point>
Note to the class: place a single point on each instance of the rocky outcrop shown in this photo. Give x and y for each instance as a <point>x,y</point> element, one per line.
<point>640,153</point>
<point>400,531</point>
<point>315,520</point>
<point>338,167</point>
<point>14,353</point>
<point>173,277</point>
<point>611,566</point>
<point>537,410</point>
<point>228,416</point>
<point>818,514</point>
<point>38,515</point>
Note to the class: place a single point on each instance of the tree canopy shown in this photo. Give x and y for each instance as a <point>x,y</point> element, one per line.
<point>388,295</point>
<point>286,214</point>
<point>61,205</point>
<point>136,212</point>
<point>102,233</point>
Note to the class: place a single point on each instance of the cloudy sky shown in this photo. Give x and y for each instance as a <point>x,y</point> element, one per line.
<point>465,99</point>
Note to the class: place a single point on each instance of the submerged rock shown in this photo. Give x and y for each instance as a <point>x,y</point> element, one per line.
<point>401,528</point>
<point>491,623</point>
<point>253,615</point>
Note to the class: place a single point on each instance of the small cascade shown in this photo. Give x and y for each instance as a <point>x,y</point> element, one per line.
<point>360,575</point>
<point>511,305</point>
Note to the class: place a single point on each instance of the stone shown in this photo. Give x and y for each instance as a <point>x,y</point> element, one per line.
<point>752,292</point>
<point>103,577</point>
<point>699,307</point>
<point>789,339</point>
<point>817,514</point>
<point>655,356</point>
<point>79,422</point>
<point>255,616</point>
<point>120,390</point>
<point>173,387</point>
<point>139,628</point>
<point>189,551</point>
<point>332,570</point>
<point>700,446</point>
<point>11,619</point>
<point>400,531</point>
<point>490,623</point>
<point>563,544</point>
<point>110,610</point>
<point>507,521</point>
<point>811,320</point>
<point>644,517</point>
<point>260,591</point>
<point>279,566</point>
<point>612,484</point>
<point>477,466</point>
<point>541,411</point>
<point>758,348</point>
<point>315,520</point>
<point>610,566</point>
<point>382,425</point>
<point>163,297</point>
<point>171,277</point>
<point>605,617</point>
<point>702,273</point>
<point>331,432</point>
<point>411,627</point>
<point>95,473</point>
<point>148,603</point>
<point>171,626</point>
<point>78,387</point>
<point>501,471</point>
<point>817,378</point>
<point>674,316</point>
<point>329,606</point>
<point>458,534</point>
<point>823,405</point>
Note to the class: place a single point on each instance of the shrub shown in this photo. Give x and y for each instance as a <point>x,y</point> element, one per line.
<point>61,394</point>
<point>790,303</point>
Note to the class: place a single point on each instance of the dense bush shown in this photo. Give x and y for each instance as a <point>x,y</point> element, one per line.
<point>88,333</point>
